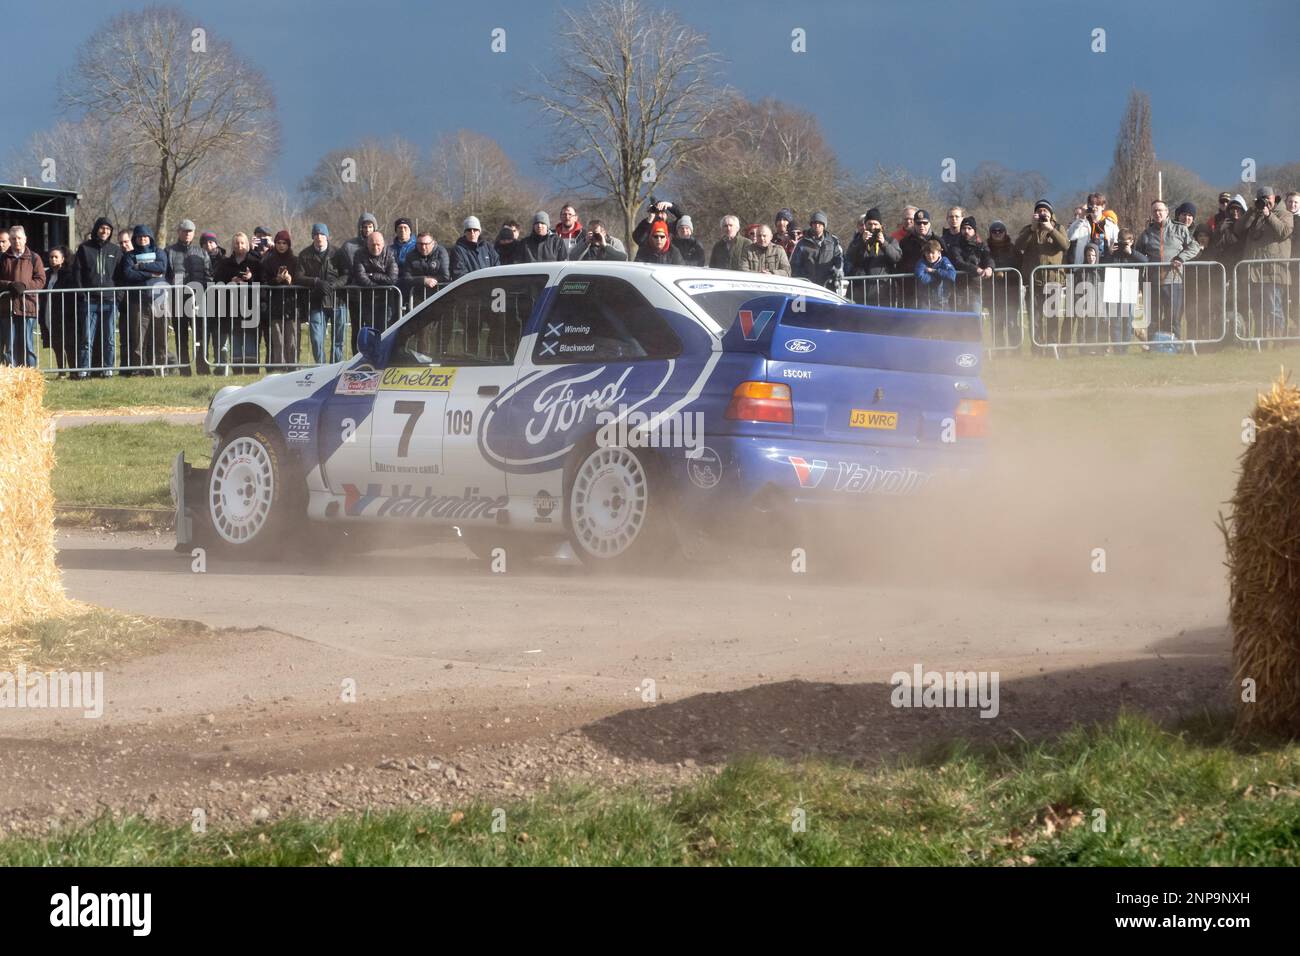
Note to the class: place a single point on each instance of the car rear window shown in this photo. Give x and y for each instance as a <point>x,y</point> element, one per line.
<point>906,323</point>
<point>722,300</point>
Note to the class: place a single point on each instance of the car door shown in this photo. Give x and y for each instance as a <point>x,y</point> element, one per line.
<point>447,364</point>
<point>602,346</point>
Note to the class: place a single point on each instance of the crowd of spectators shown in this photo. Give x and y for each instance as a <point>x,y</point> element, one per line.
<point>112,323</point>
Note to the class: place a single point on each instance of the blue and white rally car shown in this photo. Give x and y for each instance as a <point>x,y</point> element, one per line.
<point>612,403</point>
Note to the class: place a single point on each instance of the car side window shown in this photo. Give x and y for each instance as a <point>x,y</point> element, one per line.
<point>479,323</point>
<point>602,319</point>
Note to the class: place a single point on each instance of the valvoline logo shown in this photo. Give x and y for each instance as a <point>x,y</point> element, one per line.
<point>751,327</point>
<point>809,473</point>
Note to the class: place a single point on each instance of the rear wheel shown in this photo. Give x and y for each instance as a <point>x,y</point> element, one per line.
<point>254,493</point>
<point>617,512</point>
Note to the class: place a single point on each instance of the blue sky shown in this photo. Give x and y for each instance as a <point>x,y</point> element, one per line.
<point>897,83</point>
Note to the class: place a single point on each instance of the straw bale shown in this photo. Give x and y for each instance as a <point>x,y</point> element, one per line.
<point>1263,545</point>
<point>30,584</point>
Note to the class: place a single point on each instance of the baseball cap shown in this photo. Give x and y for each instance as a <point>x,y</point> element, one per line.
<point>921,216</point>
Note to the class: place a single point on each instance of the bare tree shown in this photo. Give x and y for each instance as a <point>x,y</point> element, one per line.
<point>629,93</point>
<point>756,159</point>
<point>385,179</point>
<point>1131,184</point>
<point>185,101</point>
<point>472,175</point>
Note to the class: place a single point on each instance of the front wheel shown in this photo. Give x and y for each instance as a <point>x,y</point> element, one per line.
<point>617,509</point>
<point>252,492</point>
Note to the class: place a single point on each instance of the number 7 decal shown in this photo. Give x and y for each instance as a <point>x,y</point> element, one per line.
<point>414,410</point>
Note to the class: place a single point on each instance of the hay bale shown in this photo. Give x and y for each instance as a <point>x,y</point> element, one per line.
<point>30,583</point>
<point>1263,542</point>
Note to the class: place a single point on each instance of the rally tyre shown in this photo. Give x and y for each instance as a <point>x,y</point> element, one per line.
<point>617,515</point>
<point>254,493</point>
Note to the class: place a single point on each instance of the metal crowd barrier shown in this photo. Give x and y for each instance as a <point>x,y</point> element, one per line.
<point>127,330</point>
<point>1109,307</point>
<point>252,326</point>
<point>168,329</point>
<point>1266,301</point>
<point>999,299</point>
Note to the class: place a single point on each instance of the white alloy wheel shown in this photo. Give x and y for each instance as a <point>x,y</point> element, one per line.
<point>242,489</point>
<point>608,502</point>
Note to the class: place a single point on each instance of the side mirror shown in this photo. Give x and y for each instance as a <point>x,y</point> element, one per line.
<point>368,345</point>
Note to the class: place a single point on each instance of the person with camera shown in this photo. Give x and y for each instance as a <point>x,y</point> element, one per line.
<point>871,253</point>
<point>598,246</point>
<point>656,211</point>
<point>1164,240</point>
<point>1266,233</point>
<point>658,248</point>
<point>1042,243</point>
<point>1093,226</point>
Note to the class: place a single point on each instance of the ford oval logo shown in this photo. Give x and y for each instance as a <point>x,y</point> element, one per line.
<point>966,360</point>
<point>800,345</point>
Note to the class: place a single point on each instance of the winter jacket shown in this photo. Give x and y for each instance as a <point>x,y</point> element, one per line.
<point>228,269</point>
<point>1004,253</point>
<point>912,246</point>
<point>188,263</point>
<point>19,274</point>
<point>937,287</point>
<point>1123,259</point>
<point>1081,232</point>
<point>547,248</point>
<point>969,256</point>
<point>401,250</point>
<point>1041,244</point>
<point>1267,237</point>
<point>322,273</point>
<point>669,257</point>
<point>772,259</point>
<point>691,250</point>
<point>412,273</point>
<point>728,254</point>
<point>603,253</point>
<point>819,261</point>
<point>574,240</point>
<point>467,257</point>
<point>1167,244</point>
<point>95,262</point>
<point>59,311</point>
<point>281,299</point>
<point>867,257</point>
<point>509,253</point>
<point>642,231</point>
<point>142,266</point>
<point>373,270</point>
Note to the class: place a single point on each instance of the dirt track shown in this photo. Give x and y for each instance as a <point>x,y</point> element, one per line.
<point>474,683</point>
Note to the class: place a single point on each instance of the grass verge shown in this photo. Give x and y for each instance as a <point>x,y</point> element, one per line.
<point>1169,798</point>
<point>168,391</point>
<point>1232,366</point>
<point>88,638</point>
<point>123,466</point>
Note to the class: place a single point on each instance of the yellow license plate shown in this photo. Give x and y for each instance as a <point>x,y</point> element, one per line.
<point>866,418</point>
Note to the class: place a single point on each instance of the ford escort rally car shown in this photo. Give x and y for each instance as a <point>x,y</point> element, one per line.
<point>610,403</point>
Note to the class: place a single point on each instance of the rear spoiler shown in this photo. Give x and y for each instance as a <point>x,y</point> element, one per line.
<point>793,328</point>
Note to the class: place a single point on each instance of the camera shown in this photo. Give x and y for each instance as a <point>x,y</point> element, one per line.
<point>1261,203</point>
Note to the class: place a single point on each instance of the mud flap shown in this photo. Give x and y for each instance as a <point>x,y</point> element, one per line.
<point>188,484</point>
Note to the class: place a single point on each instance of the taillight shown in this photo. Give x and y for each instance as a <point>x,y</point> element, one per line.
<point>972,418</point>
<point>761,402</point>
